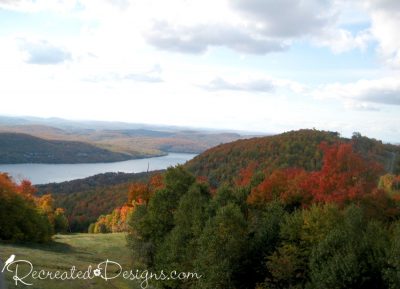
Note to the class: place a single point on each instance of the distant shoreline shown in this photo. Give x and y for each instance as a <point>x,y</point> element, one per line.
<point>57,173</point>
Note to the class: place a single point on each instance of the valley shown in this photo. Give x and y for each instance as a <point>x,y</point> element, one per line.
<point>121,141</point>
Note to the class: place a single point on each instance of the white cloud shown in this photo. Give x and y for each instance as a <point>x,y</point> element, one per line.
<point>287,18</point>
<point>197,39</point>
<point>117,45</point>
<point>363,92</point>
<point>261,85</point>
<point>253,83</point>
<point>43,52</point>
<point>385,23</point>
<point>152,76</point>
<point>253,26</point>
<point>341,40</point>
<point>60,6</point>
<point>245,26</point>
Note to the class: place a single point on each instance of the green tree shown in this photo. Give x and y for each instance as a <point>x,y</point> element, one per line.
<point>180,247</point>
<point>222,246</point>
<point>392,270</point>
<point>150,223</point>
<point>352,255</point>
<point>61,224</point>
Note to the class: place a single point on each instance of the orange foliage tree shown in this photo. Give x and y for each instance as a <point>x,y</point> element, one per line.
<point>344,176</point>
<point>20,217</point>
<point>140,192</point>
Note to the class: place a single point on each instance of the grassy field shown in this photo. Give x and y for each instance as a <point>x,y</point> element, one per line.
<point>79,250</point>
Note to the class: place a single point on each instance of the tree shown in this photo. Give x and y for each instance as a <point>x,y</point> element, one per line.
<point>151,222</point>
<point>222,246</point>
<point>264,237</point>
<point>290,186</point>
<point>392,270</point>
<point>345,175</point>
<point>20,218</point>
<point>351,255</point>
<point>181,245</point>
<point>61,224</point>
<point>114,222</point>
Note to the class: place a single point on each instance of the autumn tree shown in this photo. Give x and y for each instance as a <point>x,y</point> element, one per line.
<point>56,216</point>
<point>20,219</point>
<point>141,192</point>
<point>345,175</point>
<point>114,222</point>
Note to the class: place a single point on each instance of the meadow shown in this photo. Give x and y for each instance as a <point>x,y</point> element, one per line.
<point>79,250</point>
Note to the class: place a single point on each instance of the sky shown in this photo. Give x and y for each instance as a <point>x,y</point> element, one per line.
<point>255,65</point>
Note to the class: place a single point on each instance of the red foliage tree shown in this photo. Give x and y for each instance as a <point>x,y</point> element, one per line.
<point>246,175</point>
<point>345,176</point>
<point>140,192</point>
<point>288,185</point>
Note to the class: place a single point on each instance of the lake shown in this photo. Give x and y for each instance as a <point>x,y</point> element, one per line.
<point>48,173</point>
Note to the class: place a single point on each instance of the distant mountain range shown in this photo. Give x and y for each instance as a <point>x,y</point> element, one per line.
<point>80,141</point>
<point>70,125</point>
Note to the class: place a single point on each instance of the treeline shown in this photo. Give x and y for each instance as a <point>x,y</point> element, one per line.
<point>138,193</point>
<point>25,216</point>
<point>112,223</point>
<point>93,182</point>
<point>86,199</point>
<point>334,226</point>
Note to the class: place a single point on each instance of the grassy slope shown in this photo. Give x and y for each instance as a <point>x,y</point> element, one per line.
<point>80,250</point>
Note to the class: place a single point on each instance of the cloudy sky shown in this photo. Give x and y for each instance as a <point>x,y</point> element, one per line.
<point>255,65</point>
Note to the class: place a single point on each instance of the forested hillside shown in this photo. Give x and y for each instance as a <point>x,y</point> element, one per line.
<point>304,209</point>
<point>23,148</point>
<point>86,199</point>
<point>297,210</point>
<point>298,149</point>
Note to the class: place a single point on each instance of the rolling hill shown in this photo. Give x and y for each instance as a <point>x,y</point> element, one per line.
<point>299,149</point>
<point>23,148</point>
<point>128,138</point>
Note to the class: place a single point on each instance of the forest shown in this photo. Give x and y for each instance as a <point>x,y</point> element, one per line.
<point>333,223</point>
<point>336,227</point>
<point>304,209</point>
<point>293,149</point>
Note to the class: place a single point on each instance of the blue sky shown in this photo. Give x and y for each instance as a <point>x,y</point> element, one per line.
<point>255,65</point>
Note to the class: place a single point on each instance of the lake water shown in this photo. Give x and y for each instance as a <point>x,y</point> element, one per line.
<point>48,173</point>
